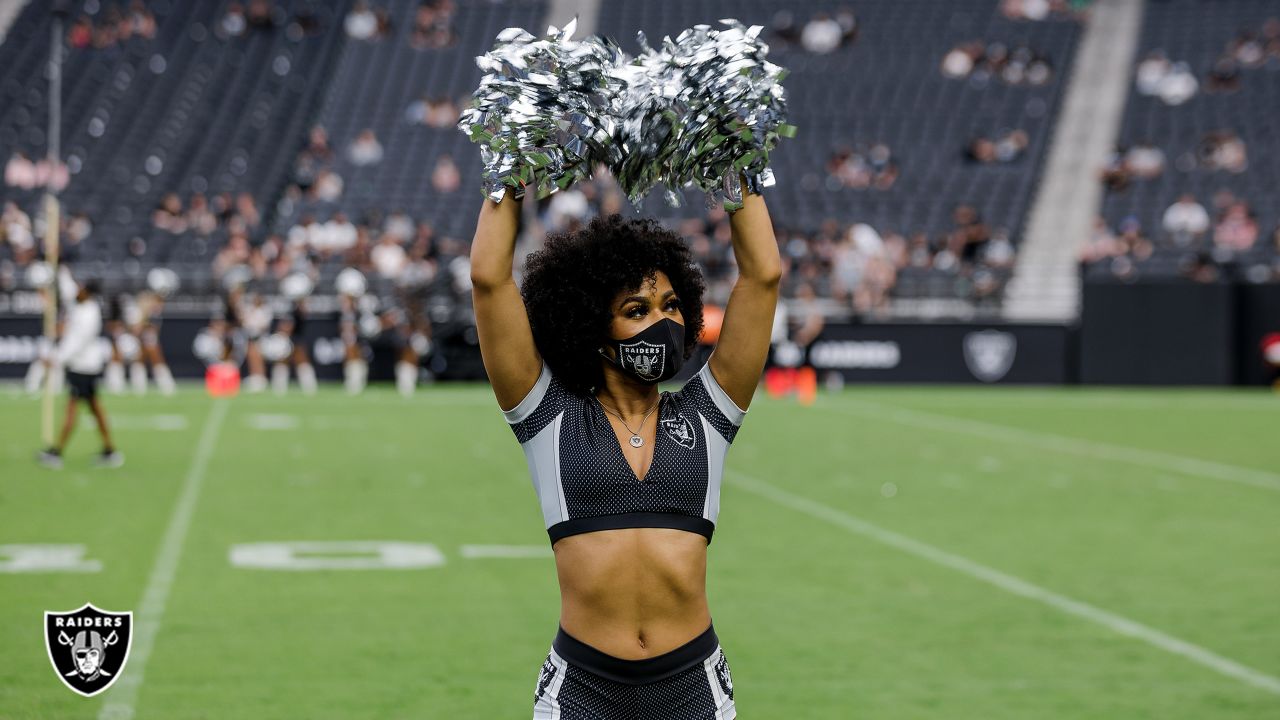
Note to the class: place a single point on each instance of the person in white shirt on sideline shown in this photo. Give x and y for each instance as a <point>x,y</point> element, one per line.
<point>80,353</point>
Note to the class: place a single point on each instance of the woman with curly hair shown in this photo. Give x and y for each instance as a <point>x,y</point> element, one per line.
<point>628,478</point>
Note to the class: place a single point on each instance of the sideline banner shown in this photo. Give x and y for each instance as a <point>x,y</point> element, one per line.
<point>938,353</point>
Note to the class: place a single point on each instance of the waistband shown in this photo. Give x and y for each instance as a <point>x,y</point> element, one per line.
<point>636,672</point>
<point>617,521</point>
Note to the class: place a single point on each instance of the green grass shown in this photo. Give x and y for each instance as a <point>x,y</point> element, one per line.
<point>1089,494</point>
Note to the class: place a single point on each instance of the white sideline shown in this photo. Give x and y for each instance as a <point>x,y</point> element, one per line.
<point>1009,583</point>
<point>1061,443</point>
<point>122,699</point>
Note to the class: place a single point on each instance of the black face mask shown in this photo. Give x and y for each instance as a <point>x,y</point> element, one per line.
<point>651,355</point>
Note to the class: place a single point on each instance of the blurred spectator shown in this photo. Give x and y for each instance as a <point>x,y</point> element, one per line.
<point>1185,221</point>
<point>80,36</point>
<point>169,215</point>
<point>433,25</point>
<point>1151,72</point>
<point>334,237</point>
<point>328,186</point>
<point>1144,161</point>
<point>261,14</point>
<point>960,60</point>
<point>313,159</point>
<point>247,211</point>
<point>1025,9</point>
<point>79,228</point>
<point>856,169</point>
<point>821,35</point>
<point>1201,268</point>
<point>1006,147</point>
<point>1247,49</point>
<point>398,225</point>
<point>142,22</point>
<point>236,252</point>
<point>1178,85</point>
<point>1223,150</point>
<point>567,209</point>
<point>234,22</point>
<point>361,22</point>
<point>1133,242</point>
<point>1101,244</point>
<point>365,149</point>
<point>388,257</point>
<point>1224,77</point>
<point>15,230</point>
<point>1236,229</point>
<point>1018,66</point>
<point>199,217</point>
<point>441,113</point>
<point>305,233</point>
<point>445,178</point>
<point>20,172</point>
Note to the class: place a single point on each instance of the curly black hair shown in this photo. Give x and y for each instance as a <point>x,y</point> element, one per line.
<point>570,284</point>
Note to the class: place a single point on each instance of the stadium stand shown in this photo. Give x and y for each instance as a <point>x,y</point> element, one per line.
<point>912,174</point>
<point>886,86</point>
<point>195,110</point>
<point>1198,123</point>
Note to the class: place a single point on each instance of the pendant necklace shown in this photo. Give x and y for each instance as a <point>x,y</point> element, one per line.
<point>636,440</point>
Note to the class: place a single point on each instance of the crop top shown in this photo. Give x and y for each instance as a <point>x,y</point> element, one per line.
<point>583,481</point>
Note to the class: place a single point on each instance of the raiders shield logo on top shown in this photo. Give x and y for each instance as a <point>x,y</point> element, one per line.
<point>989,353</point>
<point>645,358</point>
<point>680,430</point>
<point>88,647</point>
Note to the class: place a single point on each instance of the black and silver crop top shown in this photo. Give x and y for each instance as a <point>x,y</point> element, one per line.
<point>583,480</point>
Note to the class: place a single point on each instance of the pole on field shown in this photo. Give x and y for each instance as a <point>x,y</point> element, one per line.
<point>52,215</point>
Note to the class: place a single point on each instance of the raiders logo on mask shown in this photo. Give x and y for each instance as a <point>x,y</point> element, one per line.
<point>653,354</point>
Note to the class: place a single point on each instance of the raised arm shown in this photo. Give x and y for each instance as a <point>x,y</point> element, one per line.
<point>506,343</point>
<point>748,318</point>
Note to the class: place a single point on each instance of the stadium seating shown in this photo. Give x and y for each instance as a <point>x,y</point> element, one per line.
<point>887,87</point>
<point>372,86</point>
<point>1198,34</point>
<point>189,111</point>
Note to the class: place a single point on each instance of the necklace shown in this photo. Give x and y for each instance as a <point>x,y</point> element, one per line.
<point>636,440</point>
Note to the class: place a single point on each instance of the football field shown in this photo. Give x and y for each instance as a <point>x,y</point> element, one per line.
<point>886,553</point>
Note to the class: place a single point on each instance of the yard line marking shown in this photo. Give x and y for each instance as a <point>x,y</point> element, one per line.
<point>1008,583</point>
<point>473,552</point>
<point>271,421</point>
<point>147,618</point>
<point>1061,443</point>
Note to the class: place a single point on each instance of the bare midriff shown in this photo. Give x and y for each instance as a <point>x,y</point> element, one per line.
<point>633,593</point>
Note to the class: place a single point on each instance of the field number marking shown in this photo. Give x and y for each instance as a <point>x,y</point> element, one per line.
<point>45,558</point>
<point>356,555</point>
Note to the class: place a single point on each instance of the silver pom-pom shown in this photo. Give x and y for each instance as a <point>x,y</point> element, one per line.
<point>538,114</point>
<point>702,111</point>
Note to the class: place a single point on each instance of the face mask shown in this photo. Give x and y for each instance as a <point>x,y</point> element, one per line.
<point>652,355</point>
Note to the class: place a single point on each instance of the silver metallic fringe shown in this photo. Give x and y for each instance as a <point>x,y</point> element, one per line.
<point>701,111</point>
